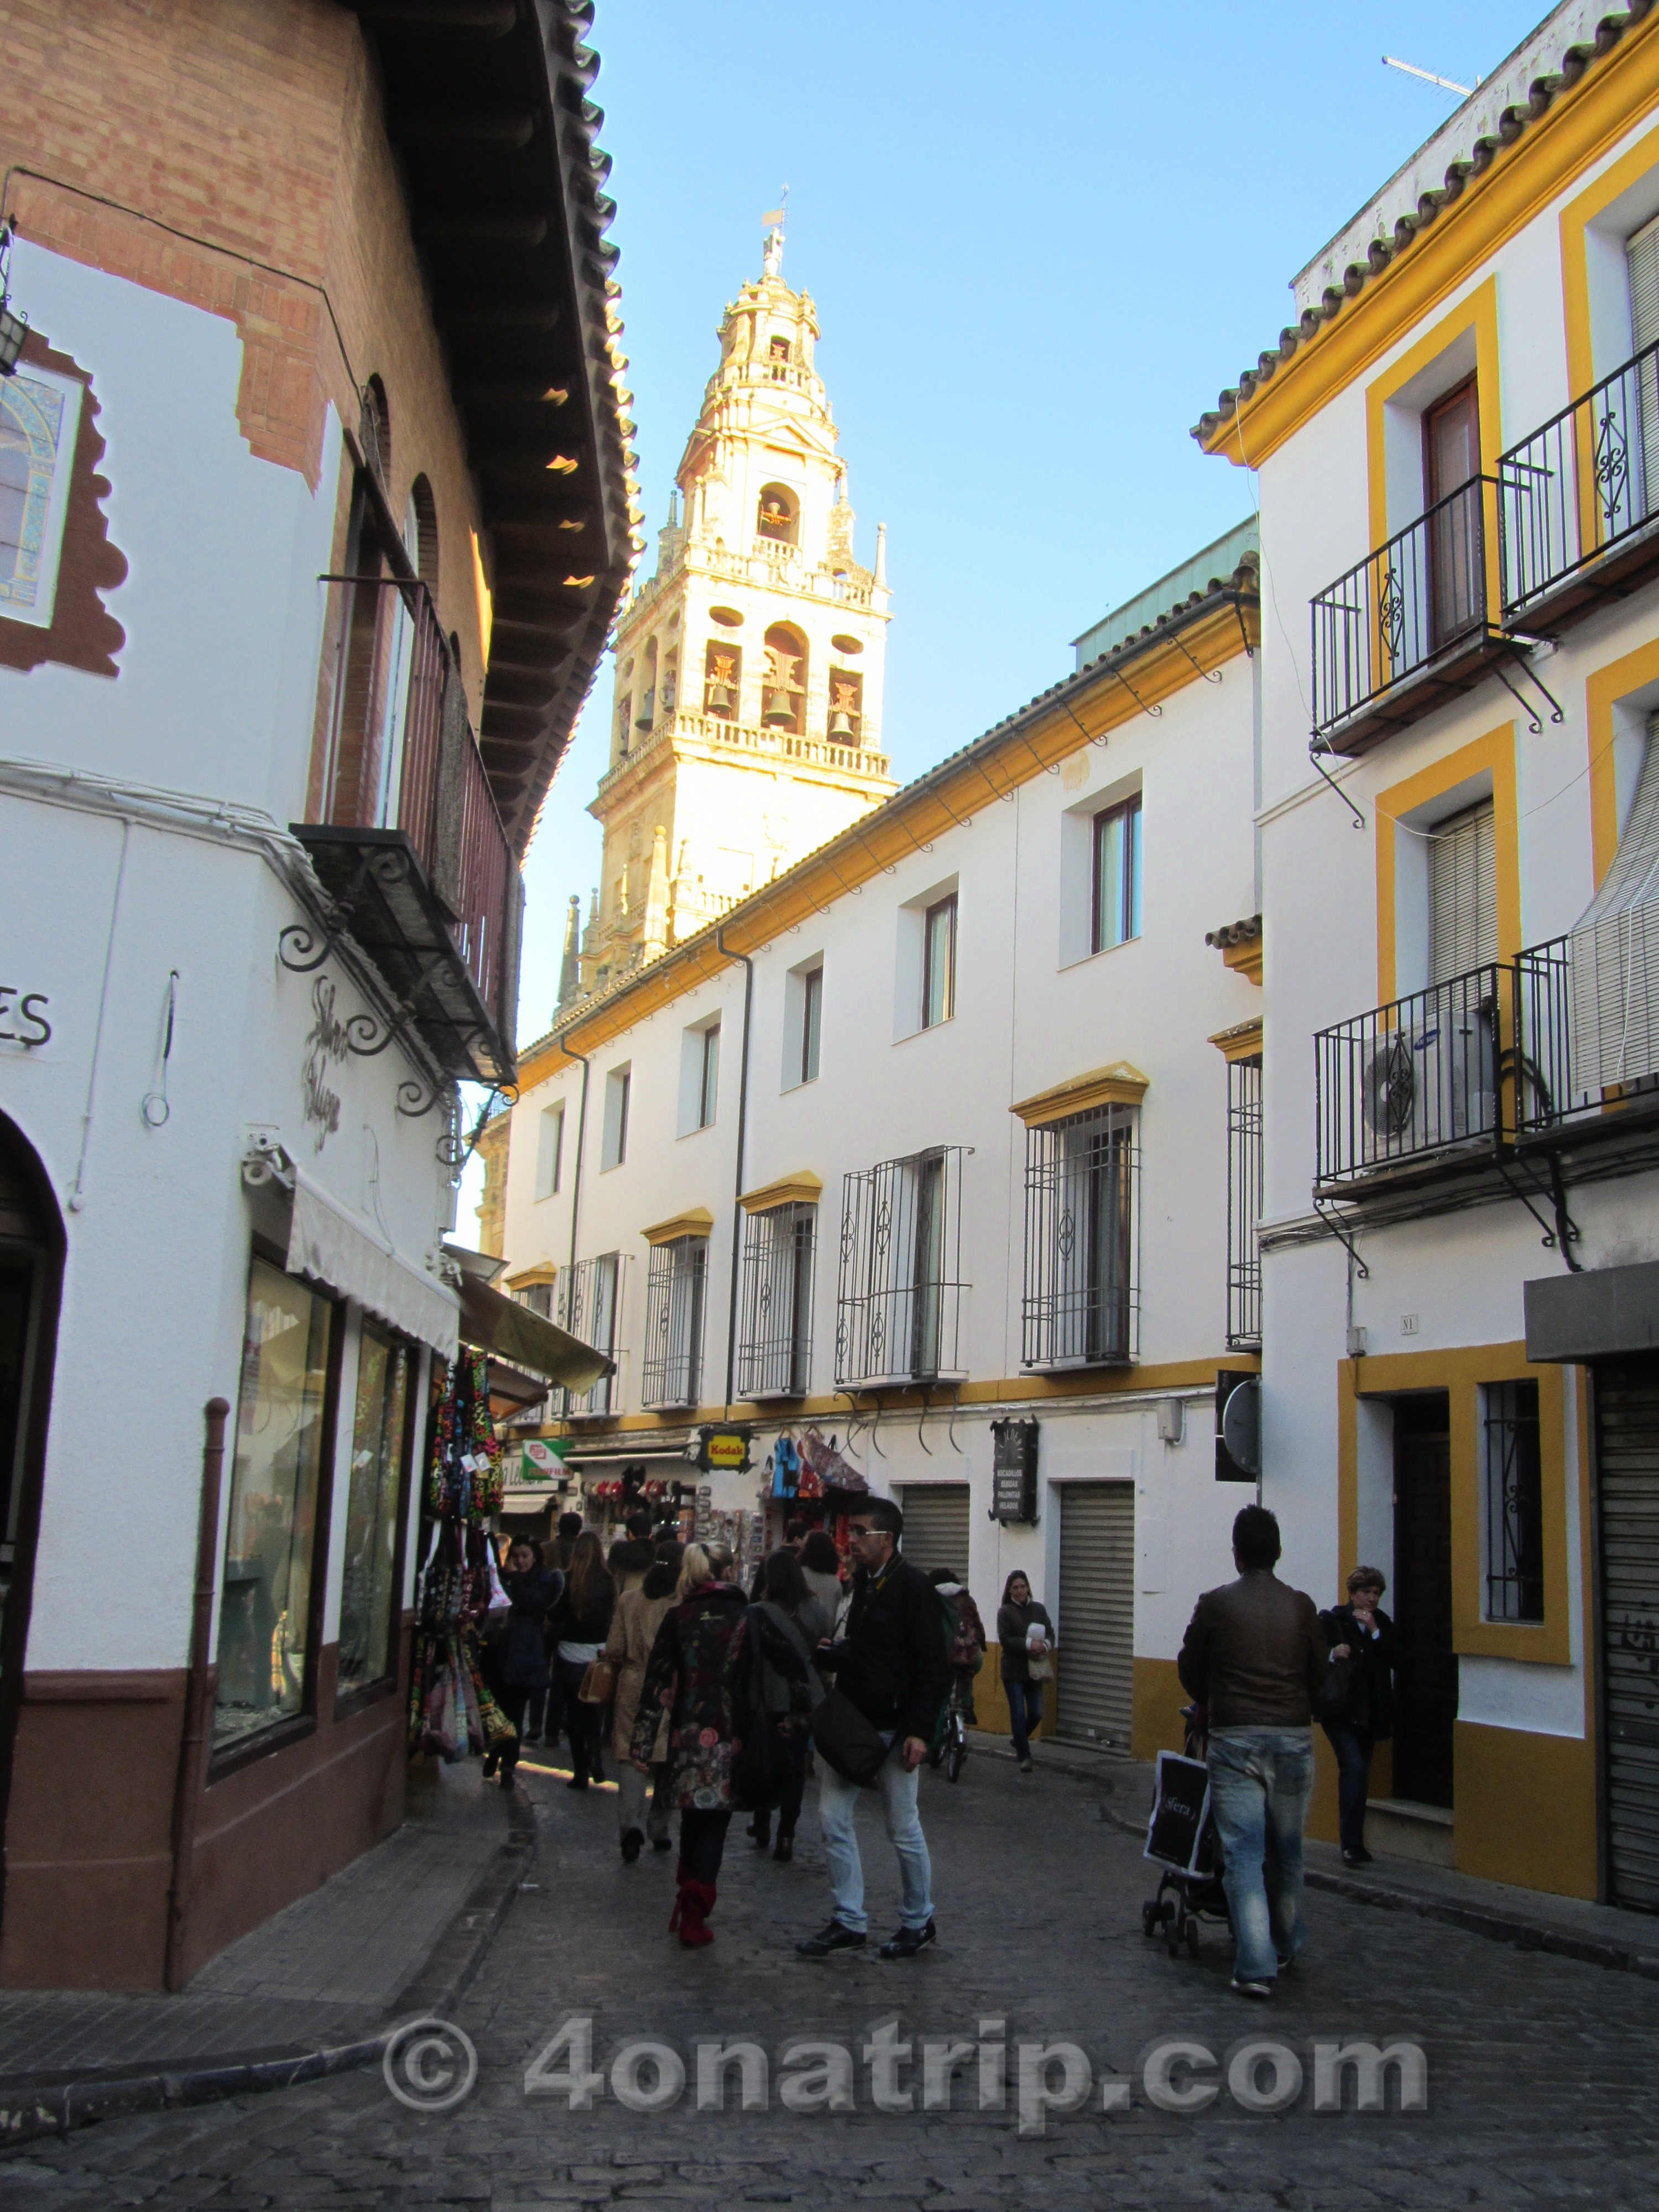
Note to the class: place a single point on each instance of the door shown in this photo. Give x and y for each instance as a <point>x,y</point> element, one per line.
<point>30,1266</point>
<point>1095,1630</point>
<point>1628,1475</point>
<point>1425,1665</point>
<point>936,1526</point>
<point>1451,462</point>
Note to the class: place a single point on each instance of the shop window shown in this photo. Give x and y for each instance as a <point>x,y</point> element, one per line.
<point>379,1437</point>
<point>549,1150</point>
<point>938,963</point>
<point>778,515</point>
<point>613,1140</point>
<point>722,680</point>
<point>277,1478</point>
<point>1114,905</point>
<point>1514,1503</point>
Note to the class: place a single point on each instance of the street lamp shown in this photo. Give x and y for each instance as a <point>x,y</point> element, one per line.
<point>13,327</point>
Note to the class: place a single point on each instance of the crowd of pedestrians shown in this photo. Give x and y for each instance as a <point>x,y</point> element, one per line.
<point>717,1700</point>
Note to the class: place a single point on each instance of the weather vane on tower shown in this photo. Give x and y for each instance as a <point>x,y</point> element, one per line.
<point>774,220</point>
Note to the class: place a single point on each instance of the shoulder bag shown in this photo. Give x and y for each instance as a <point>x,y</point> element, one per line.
<point>851,1744</point>
<point>599,1683</point>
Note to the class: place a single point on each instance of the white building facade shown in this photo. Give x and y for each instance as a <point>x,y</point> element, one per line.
<point>1457,474</point>
<point>931,1136</point>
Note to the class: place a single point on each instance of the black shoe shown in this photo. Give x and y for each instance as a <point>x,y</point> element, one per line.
<point>507,1773</point>
<point>662,1843</point>
<point>784,1850</point>
<point>577,1781</point>
<point>835,1937</point>
<point>909,1942</point>
<point>1361,1857</point>
<point>632,1844</point>
<point>762,1833</point>
<point>1261,1991</point>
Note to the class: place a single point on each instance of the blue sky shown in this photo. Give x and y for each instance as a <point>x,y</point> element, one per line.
<point>1040,239</point>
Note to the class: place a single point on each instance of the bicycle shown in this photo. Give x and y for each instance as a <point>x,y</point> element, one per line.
<point>950,1747</point>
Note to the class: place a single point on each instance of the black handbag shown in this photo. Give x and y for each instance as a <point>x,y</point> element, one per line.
<point>851,1745</point>
<point>1334,1697</point>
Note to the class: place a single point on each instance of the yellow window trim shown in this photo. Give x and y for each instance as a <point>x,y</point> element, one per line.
<point>544,1271</point>
<point>696,1221</point>
<point>1460,1372</point>
<point>1120,1085</point>
<point>1496,751</point>
<point>1241,1041</point>
<point>1576,219</point>
<point>1616,93</point>
<point>804,1189</point>
<point>1602,692</point>
<point>1479,312</point>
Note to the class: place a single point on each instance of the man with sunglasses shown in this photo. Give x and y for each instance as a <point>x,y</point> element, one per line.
<point>892,1664</point>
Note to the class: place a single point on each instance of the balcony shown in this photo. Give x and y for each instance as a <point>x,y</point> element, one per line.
<point>899,1295</point>
<point>412,853</point>
<point>1411,1088</point>
<point>1409,626</point>
<point>1587,1034</point>
<point>683,728</point>
<point>1578,501</point>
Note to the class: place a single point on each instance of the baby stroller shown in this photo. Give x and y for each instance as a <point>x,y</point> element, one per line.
<point>1181,1838</point>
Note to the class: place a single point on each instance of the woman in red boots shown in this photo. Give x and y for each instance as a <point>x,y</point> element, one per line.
<point>691,1673</point>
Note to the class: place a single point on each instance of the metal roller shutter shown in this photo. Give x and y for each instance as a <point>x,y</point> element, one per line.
<point>935,1525</point>
<point>1096,1627</point>
<point>1627,1448</point>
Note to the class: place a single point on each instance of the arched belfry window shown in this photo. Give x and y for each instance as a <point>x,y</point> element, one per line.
<point>722,679</point>
<point>784,705</point>
<point>779,515</point>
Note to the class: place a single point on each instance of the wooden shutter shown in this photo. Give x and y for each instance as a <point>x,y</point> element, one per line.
<point>1462,893</point>
<point>1096,1627</point>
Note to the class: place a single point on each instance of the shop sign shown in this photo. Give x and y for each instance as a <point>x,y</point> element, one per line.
<point>1013,1470</point>
<point>327,1046</point>
<point>724,1448</point>
<point>542,1462</point>
<point>23,1017</point>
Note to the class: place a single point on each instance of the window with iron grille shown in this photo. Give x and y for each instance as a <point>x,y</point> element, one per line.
<point>1514,1503</point>
<point>671,1369</point>
<point>590,1303</point>
<point>898,1307</point>
<point>1082,1298</point>
<point>775,1349</point>
<point>1244,1151</point>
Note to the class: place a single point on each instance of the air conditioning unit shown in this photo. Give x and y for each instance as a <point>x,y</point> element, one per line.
<point>1430,1086</point>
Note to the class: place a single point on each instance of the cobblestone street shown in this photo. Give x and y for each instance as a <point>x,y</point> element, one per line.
<point>1540,2069</point>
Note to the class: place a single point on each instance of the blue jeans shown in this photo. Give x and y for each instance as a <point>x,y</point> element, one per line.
<point>1025,1712</point>
<point>1354,1749</point>
<point>837,1802</point>
<point>1261,1780</point>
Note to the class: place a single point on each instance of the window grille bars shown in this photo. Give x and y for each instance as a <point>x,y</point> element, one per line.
<point>1514,1503</point>
<point>1244,1185</point>
<point>670,1371</point>
<point>590,1303</point>
<point>774,1348</point>
<point>898,1308</point>
<point>1082,1297</point>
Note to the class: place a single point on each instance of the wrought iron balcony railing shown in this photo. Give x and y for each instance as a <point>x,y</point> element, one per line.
<point>898,1307</point>
<point>1411,1083</point>
<point>774,1344</point>
<point>1586,1046</point>
<point>589,1307</point>
<point>1416,606</point>
<point>1081,1304</point>
<point>670,1373</point>
<point>1581,493</point>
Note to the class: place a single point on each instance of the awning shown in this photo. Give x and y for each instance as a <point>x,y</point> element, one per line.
<point>1614,1004</point>
<point>331,1245</point>
<point>500,1325</point>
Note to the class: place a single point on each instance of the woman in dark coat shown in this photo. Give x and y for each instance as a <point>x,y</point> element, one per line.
<point>1016,1616</point>
<point>697,1674</point>
<point>1362,1634</point>
<point>520,1658</point>
<point>789,1624</point>
<point>578,1624</point>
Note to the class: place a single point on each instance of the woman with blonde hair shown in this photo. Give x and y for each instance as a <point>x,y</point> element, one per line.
<point>689,1679</point>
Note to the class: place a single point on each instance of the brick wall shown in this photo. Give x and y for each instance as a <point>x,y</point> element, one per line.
<point>235,157</point>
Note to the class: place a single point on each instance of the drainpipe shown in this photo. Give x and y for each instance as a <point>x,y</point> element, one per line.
<point>743,1125</point>
<point>186,1791</point>
<point>582,1145</point>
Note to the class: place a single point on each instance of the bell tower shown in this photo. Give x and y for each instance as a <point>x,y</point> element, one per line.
<point>745,723</point>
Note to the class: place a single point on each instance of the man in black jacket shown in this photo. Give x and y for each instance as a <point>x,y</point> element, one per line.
<point>892,1664</point>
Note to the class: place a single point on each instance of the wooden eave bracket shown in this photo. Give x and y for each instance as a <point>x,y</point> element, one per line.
<point>1118,1084</point>
<point>803,1188</point>
<point>696,1221</point>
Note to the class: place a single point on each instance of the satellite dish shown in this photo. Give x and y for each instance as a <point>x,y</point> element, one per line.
<point>1241,1424</point>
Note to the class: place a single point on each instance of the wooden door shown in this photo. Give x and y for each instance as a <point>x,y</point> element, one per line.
<point>1425,1666</point>
<point>1451,495</point>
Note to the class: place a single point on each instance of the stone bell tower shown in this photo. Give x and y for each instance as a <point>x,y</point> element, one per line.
<point>746,727</point>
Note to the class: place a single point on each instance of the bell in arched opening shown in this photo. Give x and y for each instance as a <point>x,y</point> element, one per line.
<point>779,711</point>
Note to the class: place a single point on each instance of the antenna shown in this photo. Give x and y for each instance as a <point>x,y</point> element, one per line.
<point>1446,83</point>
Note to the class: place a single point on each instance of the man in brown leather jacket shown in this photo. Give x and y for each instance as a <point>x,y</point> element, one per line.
<point>1254,1656</point>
